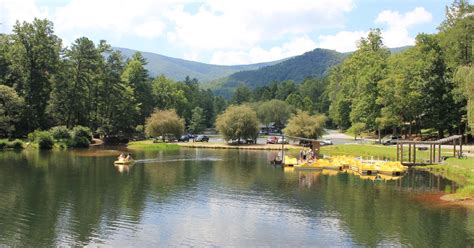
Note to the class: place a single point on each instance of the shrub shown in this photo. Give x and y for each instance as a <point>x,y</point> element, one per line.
<point>3,144</point>
<point>78,141</point>
<point>33,135</point>
<point>238,122</point>
<point>45,140</point>
<point>164,123</point>
<point>60,133</point>
<point>16,144</point>
<point>80,131</point>
<point>302,124</point>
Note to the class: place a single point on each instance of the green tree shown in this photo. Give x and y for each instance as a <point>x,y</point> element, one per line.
<point>339,96</point>
<point>118,109</point>
<point>440,111</point>
<point>465,78</point>
<point>242,94</point>
<point>304,125</point>
<point>238,122</point>
<point>457,33</point>
<point>284,89</point>
<point>354,84</point>
<point>314,90</point>
<point>10,110</point>
<point>83,60</point>
<point>402,92</point>
<point>295,100</point>
<point>167,95</point>
<point>274,111</point>
<point>35,53</point>
<point>136,76</point>
<point>357,128</point>
<point>369,67</point>
<point>165,123</point>
<point>197,121</point>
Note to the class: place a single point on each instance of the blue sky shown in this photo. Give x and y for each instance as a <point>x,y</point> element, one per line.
<point>230,32</point>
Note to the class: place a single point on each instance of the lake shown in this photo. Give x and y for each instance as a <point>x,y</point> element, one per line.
<point>216,198</point>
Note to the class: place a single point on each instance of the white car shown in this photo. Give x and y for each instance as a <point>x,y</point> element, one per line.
<point>282,140</point>
<point>326,142</point>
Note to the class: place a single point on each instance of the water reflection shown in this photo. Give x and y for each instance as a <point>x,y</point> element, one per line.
<point>411,181</point>
<point>214,198</point>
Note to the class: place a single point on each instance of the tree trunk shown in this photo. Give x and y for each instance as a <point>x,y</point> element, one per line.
<point>440,133</point>
<point>380,136</point>
<point>409,129</point>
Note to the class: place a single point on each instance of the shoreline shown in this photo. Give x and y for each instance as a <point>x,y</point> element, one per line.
<point>263,147</point>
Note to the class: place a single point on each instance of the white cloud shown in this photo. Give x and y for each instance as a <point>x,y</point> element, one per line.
<point>397,34</point>
<point>230,32</point>
<point>19,10</point>
<point>257,54</point>
<point>243,24</point>
<point>344,41</point>
<point>121,18</point>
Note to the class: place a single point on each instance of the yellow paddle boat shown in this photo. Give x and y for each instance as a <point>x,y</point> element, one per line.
<point>390,168</point>
<point>363,168</point>
<point>290,161</point>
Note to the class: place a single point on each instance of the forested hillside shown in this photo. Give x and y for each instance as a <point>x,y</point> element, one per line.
<point>311,64</point>
<point>178,69</point>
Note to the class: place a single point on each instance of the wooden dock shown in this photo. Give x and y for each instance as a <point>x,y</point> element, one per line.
<point>434,147</point>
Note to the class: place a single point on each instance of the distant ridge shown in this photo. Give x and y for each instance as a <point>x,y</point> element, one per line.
<point>314,63</point>
<point>178,69</point>
<point>223,79</point>
<point>310,64</point>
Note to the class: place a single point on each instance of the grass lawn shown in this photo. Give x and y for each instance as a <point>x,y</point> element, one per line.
<point>377,151</point>
<point>364,150</point>
<point>149,145</point>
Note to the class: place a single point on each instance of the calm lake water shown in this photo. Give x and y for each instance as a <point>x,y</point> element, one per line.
<point>215,198</point>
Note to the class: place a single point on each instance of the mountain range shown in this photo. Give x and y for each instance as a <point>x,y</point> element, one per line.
<point>224,79</point>
<point>178,69</point>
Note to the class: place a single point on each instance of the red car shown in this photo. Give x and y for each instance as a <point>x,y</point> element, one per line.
<point>272,140</point>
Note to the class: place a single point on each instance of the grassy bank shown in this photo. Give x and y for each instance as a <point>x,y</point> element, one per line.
<point>11,145</point>
<point>377,152</point>
<point>149,145</point>
<point>460,171</point>
<point>364,150</point>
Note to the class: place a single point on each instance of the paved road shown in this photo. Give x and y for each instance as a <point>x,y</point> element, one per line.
<point>340,138</point>
<point>335,136</point>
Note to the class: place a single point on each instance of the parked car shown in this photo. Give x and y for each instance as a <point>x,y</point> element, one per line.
<point>391,140</point>
<point>251,141</point>
<point>191,136</point>
<point>282,140</point>
<point>305,143</point>
<point>326,142</point>
<point>184,138</point>
<point>202,138</point>
<point>263,132</point>
<point>272,140</point>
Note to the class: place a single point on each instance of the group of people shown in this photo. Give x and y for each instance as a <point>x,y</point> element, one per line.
<point>306,155</point>
<point>125,157</point>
